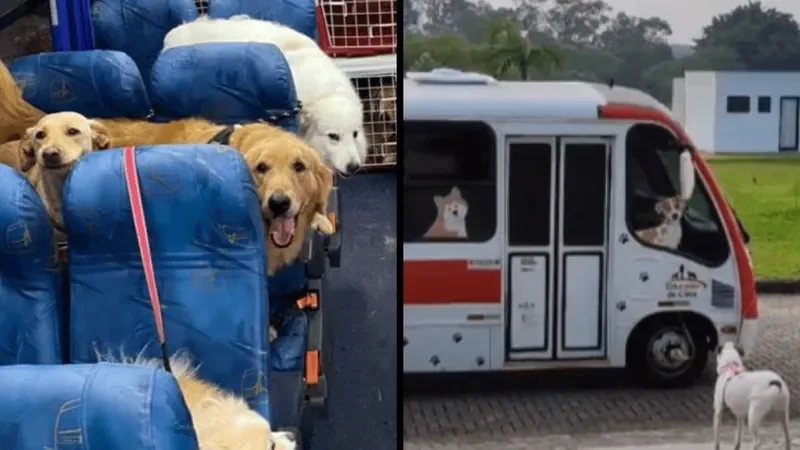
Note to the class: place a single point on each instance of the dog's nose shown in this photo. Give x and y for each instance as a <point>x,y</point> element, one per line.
<point>352,167</point>
<point>674,216</point>
<point>51,156</point>
<point>279,203</point>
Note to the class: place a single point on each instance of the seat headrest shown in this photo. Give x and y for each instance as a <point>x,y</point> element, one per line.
<point>203,193</point>
<point>138,27</point>
<point>226,83</point>
<point>27,239</point>
<point>99,406</point>
<point>95,83</point>
<point>297,14</point>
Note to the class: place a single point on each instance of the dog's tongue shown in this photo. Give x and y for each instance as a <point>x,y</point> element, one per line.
<point>282,230</point>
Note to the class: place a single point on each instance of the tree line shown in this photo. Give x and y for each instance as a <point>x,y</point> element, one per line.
<point>588,40</point>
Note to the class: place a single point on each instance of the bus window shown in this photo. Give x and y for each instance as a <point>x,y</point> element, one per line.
<point>653,178</point>
<point>449,181</point>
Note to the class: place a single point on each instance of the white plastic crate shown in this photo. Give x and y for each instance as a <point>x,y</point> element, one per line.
<point>375,79</point>
<point>357,27</point>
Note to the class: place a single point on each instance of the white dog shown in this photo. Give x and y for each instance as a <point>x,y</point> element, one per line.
<point>332,117</point>
<point>748,394</point>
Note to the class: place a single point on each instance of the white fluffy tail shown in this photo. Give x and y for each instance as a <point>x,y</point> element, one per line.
<point>180,362</point>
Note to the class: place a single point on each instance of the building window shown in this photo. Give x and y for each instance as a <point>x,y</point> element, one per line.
<point>738,104</point>
<point>449,181</point>
<point>764,104</point>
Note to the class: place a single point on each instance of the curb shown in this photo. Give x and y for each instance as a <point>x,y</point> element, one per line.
<point>778,286</point>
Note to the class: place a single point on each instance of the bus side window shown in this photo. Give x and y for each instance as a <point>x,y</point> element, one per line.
<point>656,214</point>
<point>449,181</point>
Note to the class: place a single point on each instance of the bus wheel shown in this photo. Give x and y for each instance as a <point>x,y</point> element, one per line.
<point>665,354</point>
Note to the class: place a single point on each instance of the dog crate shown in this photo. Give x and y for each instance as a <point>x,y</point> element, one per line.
<point>375,79</point>
<point>352,28</point>
<point>202,7</point>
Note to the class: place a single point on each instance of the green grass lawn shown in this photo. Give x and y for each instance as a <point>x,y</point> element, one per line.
<point>765,192</point>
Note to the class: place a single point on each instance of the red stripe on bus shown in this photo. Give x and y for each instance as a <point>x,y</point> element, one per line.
<point>747,284</point>
<point>449,282</point>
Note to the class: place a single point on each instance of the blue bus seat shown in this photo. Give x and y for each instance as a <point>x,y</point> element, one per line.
<point>226,83</point>
<point>297,14</point>
<point>138,27</point>
<point>206,235</point>
<point>31,300</point>
<point>95,83</point>
<point>93,406</point>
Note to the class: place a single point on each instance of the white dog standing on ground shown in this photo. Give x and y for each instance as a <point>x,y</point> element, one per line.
<point>332,117</point>
<point>750,395</point>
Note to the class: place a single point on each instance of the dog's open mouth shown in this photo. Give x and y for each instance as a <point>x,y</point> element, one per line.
<point>281,230</point>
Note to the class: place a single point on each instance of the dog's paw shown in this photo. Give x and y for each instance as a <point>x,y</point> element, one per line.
<point>273,333</point>
<point>322,224</point>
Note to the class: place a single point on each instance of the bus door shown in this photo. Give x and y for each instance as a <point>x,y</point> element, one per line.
<point>557,192</point>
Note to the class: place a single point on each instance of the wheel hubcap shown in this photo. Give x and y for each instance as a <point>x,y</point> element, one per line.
<point>669,353</point>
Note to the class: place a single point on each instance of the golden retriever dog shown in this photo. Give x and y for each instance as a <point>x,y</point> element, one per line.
<point>222,421</point>
<point>9,154</point>
<point>16,115</point>
<point>48,151</point>
<point>257,142</point>
<point>293,185</point>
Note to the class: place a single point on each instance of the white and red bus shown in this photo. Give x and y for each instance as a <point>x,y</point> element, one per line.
<point>523,246</point>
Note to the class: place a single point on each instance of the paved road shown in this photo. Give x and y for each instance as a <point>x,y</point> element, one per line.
<point>698,438</point>
<point>493,410</point>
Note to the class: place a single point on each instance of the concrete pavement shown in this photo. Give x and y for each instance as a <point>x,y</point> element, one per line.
<point>686,438</point>
<point>525,410</point>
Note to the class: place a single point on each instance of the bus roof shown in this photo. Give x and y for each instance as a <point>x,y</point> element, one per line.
<point>448,94</point>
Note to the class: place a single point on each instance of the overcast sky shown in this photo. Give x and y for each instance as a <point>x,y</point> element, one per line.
<point>686,17</point>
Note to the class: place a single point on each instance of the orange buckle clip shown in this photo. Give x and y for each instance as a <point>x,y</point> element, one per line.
<point>312,367</point>
<point>310,301</point>
<point>332,218</point>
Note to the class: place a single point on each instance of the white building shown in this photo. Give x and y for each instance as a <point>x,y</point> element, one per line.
<point>729,112</point>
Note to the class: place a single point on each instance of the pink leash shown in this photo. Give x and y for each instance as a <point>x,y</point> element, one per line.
<point>135,195</point>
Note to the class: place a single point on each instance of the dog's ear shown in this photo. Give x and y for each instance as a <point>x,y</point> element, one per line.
<point>660,208</point>
<point>304,122</point>
<point>101,138</point>
<point>27,154</point>
<point>438,199</point>
<point>455,192</point>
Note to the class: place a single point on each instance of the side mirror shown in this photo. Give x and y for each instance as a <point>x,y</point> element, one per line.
<point>686,174</point>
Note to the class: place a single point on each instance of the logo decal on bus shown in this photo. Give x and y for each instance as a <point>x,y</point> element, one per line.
<point>451,217</point>
<point>684,284</point>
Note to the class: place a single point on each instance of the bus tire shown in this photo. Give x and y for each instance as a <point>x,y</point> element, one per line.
<point>655,348</point>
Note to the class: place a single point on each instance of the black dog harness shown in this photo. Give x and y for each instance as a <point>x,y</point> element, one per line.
<point>224,136</point>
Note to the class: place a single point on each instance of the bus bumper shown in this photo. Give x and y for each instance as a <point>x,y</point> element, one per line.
<point>747,335</point>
